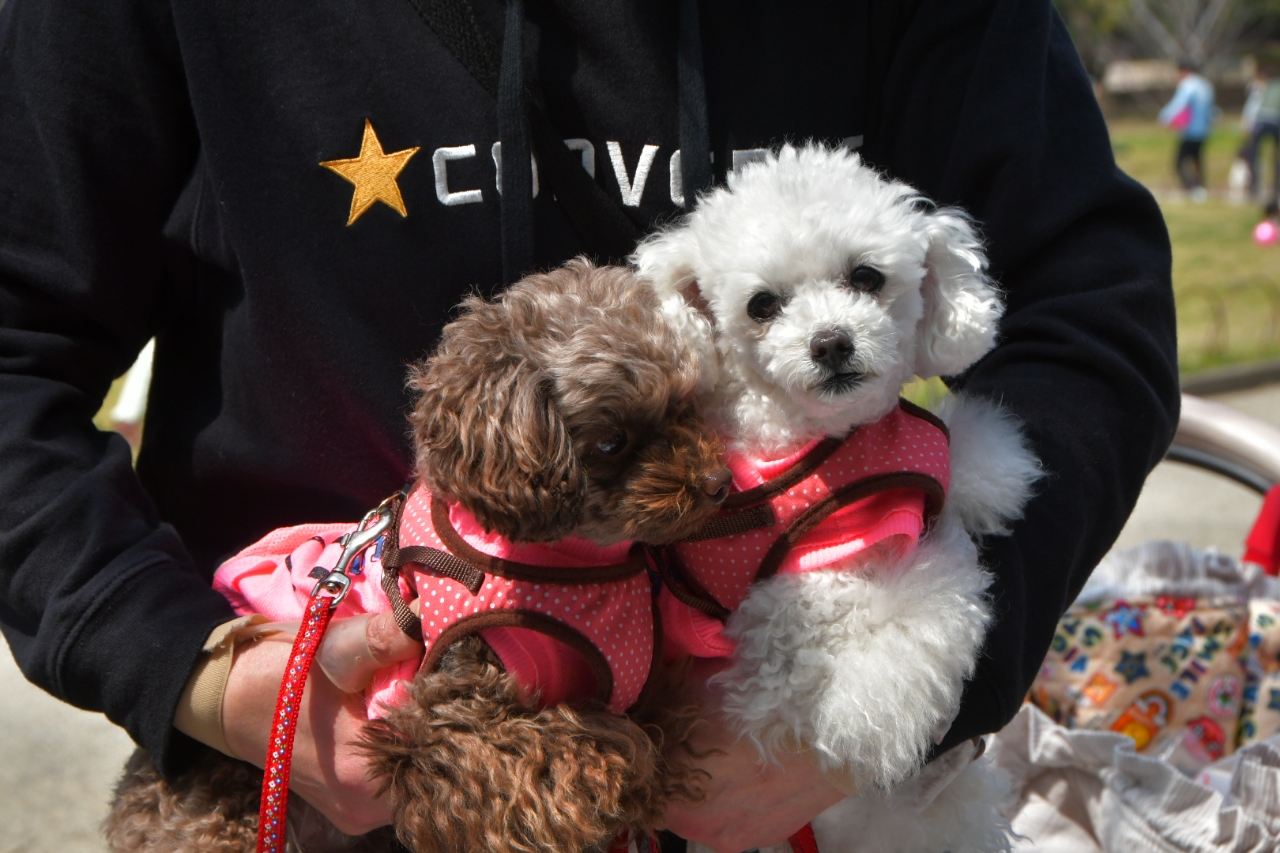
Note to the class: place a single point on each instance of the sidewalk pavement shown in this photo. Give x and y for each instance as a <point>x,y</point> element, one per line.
<point>57,764</point>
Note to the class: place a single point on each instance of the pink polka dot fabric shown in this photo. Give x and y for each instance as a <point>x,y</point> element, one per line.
<point>890,521</point>
<point>274,577</point>
<point>616,616</point>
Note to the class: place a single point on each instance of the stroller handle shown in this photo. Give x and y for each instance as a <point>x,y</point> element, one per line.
<point>1227,442</point>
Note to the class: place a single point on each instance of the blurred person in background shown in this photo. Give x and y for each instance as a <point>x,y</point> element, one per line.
<point>1190,112</point>
<point>1265,126</point>
<point>1241,185</point>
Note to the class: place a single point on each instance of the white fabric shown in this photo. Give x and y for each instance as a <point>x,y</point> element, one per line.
<point>1175,569</point>
<point>1085,791</point>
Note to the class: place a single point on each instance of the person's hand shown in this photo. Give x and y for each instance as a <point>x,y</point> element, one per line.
<point>750,802</point>
<point>328,771</point>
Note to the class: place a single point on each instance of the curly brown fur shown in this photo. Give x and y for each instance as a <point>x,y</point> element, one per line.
<point>470,766</point>
<point>564,407</point>
<point>211,808</point>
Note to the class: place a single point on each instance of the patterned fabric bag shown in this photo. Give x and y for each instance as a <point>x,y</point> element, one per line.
<point>1175,648</point>
<point>1260,714</point>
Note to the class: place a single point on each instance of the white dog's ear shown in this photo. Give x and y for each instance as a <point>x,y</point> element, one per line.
<point>961,305</point>
<point>691,292</point>
<point>667,260</point>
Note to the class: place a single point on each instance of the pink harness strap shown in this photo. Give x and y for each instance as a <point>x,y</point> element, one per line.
<point>561,637</point>
<point>596,603</point>
<point>830,503</point>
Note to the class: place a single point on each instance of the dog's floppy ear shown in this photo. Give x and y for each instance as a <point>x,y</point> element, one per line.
<point>667,259</point>
<point>488,433</point>
<point>961,305</point>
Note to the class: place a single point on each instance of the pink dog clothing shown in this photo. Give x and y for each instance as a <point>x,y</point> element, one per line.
<point>570,620</point>
<point>873,493</point>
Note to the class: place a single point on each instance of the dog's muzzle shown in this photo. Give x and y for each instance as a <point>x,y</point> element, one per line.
<point>832,350</point>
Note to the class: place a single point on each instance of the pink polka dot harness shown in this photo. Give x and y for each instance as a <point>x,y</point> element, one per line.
<point>603,612</point>
<point>830,501</point>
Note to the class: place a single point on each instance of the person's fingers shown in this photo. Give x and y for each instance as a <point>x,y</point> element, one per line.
<point>345,656</point>
<point>387,642</point>
<point>750,801</point>
<point>328,769</point>
<point>356,647</point>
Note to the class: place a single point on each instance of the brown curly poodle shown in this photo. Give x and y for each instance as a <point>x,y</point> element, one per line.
<point>562,407</point>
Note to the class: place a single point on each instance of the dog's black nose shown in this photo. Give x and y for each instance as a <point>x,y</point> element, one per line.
<point>717,484</point>
<point>831,349</point>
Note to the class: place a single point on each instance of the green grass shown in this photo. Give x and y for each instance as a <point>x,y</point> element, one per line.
<point>1227,287</point>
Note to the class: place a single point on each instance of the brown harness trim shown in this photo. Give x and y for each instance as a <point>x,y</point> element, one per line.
<point>510,569</point>
<point>734,523</point>
<point>925,415</point>
<point>410,624</point>
<point>392,560</point>
<point>446,564</point>
<point>686,590</point>
<point>534,621</point>
<point>842,497</point>
<point>784,481</point>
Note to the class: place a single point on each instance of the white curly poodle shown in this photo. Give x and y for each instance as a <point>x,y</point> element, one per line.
<point>813,288</point>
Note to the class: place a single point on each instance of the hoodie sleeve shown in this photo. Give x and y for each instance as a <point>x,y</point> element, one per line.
<point>99,601</point>
<point>986,105</point>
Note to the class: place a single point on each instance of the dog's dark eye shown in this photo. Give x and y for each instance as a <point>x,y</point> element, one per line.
<point>613,444</point>
<point>764,306</point>
<point>866,279</point>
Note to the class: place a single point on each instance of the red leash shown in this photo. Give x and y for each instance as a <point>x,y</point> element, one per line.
<point>325,598</point>
<point>803,841</point>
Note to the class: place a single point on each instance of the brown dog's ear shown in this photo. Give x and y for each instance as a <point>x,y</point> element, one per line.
<point>488,434</point>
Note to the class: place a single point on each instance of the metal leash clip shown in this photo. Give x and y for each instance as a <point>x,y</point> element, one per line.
<point>337,582</point>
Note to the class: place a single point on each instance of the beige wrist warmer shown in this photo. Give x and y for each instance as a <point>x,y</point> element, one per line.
<point>199,712</point>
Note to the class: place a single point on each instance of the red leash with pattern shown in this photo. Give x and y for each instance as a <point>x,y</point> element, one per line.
<point>328,593</point>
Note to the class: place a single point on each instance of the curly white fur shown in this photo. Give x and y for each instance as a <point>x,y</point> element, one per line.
<point>993,468</point>
<point>795,225</point>
<point>865,666</point>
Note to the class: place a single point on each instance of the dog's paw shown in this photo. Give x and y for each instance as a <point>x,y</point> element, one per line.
<point>863,667</point>
<point>467,765</point>
<point>993,469</point>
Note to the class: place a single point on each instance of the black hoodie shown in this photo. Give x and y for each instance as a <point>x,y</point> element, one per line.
<point>160,175</point>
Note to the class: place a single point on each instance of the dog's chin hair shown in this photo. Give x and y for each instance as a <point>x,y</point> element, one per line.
<point>965,817</point>
<point>865,667</point>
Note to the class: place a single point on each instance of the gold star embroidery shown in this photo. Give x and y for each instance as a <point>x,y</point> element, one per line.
<point>373,174</point>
